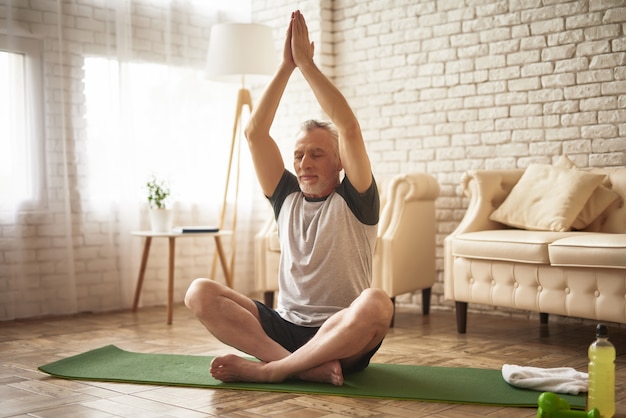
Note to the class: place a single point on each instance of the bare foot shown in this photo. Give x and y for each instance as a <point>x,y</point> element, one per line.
<point>231,368</point>
<point>325,373</point>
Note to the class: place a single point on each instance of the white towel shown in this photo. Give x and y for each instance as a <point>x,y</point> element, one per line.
<point>559,380</point>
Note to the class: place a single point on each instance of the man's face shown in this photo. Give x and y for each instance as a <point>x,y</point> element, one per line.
<point>316,162</point>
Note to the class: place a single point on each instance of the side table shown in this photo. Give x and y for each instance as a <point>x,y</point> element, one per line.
<point>172,236</point>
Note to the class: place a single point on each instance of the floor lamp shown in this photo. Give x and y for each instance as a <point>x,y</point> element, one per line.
<point>238,51</point>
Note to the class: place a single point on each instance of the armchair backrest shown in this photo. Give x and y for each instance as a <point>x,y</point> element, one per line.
<point>404,257</point>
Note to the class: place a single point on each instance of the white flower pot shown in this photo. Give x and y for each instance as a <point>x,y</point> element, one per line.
<point>161,220</point>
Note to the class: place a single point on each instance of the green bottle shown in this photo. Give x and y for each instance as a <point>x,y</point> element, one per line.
<point>601,393</point>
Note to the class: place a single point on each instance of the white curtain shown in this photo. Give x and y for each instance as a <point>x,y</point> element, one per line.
<point>113,92</point>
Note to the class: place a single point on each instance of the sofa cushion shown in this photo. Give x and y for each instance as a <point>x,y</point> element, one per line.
<point>515,245</point>
<point>590,249</point>
<point>547,198</point>
<point>600,199</point>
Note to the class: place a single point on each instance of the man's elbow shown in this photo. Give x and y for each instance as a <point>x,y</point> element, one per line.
<point>251,131</point>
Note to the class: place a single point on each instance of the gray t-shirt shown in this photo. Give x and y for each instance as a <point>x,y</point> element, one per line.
<point>327,248</point>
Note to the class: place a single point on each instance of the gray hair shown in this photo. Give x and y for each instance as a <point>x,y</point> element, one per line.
<point>311,124</point>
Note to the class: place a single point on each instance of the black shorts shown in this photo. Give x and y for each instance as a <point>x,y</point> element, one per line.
<point>292,336</point>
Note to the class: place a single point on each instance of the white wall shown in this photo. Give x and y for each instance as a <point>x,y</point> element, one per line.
<point>95,273</point>
<point>438,88</point>
<point>442,87</point>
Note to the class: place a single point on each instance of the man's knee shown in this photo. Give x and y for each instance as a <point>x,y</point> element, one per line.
<point>199,293</point>
<point>376,303</point>
<point>374,295</point>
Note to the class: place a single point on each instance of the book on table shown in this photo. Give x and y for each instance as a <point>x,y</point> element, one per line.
<point>191,229</point>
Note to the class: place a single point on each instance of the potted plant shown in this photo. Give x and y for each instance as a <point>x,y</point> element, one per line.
<point>159,197</point>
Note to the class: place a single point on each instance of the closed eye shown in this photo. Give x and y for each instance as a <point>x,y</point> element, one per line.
<point>314,154</point>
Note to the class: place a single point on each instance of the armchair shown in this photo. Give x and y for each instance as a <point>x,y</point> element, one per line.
<point>404,257</point>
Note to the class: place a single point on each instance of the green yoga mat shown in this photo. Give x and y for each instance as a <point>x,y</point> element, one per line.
<point>389,381</point>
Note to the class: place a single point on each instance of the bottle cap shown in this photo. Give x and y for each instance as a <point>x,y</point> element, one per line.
<point>602,331</point>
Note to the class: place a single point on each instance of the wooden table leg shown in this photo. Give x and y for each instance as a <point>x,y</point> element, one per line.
<point>142,271</point>
<point>170,282</point>
<point>223,261</point>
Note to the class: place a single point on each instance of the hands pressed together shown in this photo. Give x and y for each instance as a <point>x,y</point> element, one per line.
<point>298,50</point>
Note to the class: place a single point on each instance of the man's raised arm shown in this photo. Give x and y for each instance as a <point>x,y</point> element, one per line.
<point>352,151</point>
<point>268,162</point>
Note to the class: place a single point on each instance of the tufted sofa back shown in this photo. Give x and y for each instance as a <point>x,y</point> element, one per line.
<point>489,188</point>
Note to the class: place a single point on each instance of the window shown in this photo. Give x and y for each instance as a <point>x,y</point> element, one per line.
<point>154,118</point>
<point>21,125</point>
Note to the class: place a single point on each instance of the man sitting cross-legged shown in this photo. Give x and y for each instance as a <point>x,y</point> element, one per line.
<point>328,321</point>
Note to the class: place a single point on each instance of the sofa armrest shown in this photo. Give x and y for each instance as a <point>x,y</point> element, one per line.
<point>486,190</point>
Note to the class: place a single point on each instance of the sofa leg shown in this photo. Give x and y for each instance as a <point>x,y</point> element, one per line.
<point>543,318</point>
<point>461,317</point>
<point>268,298</point>
<point>426,301</point>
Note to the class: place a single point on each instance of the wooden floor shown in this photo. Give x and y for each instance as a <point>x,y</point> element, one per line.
<point>491,341</point>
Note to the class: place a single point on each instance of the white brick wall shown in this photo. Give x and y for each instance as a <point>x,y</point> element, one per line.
<point>441,87</point>
<point>97,274</point>
<point>438,88</point>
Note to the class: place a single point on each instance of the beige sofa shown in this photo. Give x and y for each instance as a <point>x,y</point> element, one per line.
<point>575,273</point>
<point>404,258</point>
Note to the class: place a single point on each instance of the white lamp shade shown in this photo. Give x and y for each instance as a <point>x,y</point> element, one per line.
<point>238,50</point>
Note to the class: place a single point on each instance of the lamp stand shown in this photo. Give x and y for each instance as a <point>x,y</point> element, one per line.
<point>243,99</point>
